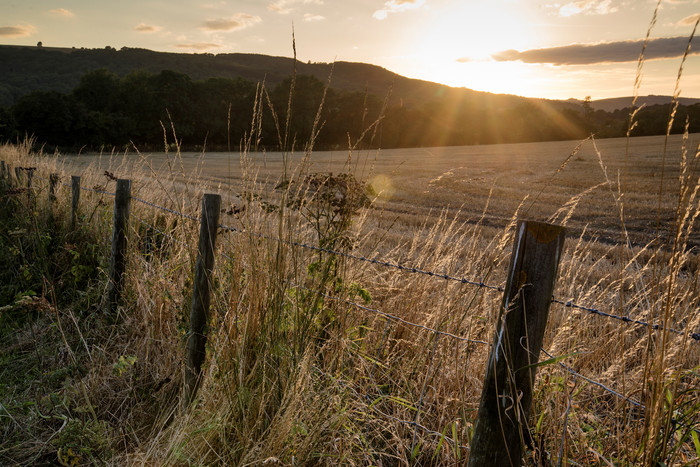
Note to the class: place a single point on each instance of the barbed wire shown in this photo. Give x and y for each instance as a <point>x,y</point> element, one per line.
<point>390,317</point>
<point>384,314</point>
<point>480,284</point>
<point>594,382</point>
<point>624,398</point>
<point>163,208</point>
<point>398,319</point>
<point>625,319</point>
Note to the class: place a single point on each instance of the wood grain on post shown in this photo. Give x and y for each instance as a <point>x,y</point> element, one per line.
<point>502,422</point>
<point>75,189</point>
<point>201,299</point>
<point>53,181</point>
<point>117,263</point>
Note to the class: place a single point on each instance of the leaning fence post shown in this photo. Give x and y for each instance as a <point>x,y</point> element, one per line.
<point>199,311</point>
<point>18,176</point>
<point>501,424</point>
<point>75,189</point>
<point>53,181</point>
<point>117,263</point>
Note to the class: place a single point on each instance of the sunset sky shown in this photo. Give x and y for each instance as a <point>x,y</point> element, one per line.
<point>537,48</point>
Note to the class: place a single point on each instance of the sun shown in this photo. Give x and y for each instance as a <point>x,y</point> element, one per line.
<point>454,44</point>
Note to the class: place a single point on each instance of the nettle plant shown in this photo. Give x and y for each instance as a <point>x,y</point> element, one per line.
<point>329,204</point>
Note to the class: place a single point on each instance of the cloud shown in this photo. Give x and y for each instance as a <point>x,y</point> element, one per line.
<point>62,12</point>
<point>198,46</point>
<point>284,7</point>
<point>396,6</point>
<point>147,28</point>
<point>17,31</point>
<point>605,52</point>
<point>237,21</point>
<point>689,20</point>
<point>586,7</point>
<point>311,17</point>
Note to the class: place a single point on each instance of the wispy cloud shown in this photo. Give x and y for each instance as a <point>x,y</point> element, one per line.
<point>147,28</point>
<point>689,20</point>
<point>396,6</point>
<point>62,12</point>
<point>605,52</point>
<point>284,7</point>
<point>236,22</point>
<point>312,17</point>
<point>198,46</point>
<point>586,7</point>
<point>17,31</point>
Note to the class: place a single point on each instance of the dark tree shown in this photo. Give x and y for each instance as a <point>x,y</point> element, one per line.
<point>53,118</point>
<point>98,90</point>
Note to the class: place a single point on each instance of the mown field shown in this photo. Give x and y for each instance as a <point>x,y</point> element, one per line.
<point>476,183</point>
<point>318,358</point>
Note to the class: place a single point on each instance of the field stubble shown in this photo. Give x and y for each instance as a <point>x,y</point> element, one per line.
<point>452,210</point>
<point>298,377</point>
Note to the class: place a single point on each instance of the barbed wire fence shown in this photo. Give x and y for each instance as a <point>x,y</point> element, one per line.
<point>390,319</point>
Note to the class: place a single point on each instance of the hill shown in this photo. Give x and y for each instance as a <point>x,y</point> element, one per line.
<point>27,69</point>
<point>75,98</point>
<point>618,103</point>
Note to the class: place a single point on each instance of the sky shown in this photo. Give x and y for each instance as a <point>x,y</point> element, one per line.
<point>536,48</point>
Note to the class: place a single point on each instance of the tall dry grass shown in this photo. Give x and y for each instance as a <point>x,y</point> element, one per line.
<point>298,374</point>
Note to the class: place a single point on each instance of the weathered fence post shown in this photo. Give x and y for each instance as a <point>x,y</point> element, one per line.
<point>75,189</point>
<point>8,173</point>
<point>117,263</point>
<point>199,311</point>
<point>3,176</point>
<point>53,181</point>
<point>30,177</point>
<point>18,176</point>
<point>501,424</point>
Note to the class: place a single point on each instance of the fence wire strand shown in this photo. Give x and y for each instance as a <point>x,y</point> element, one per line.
<point>393,318</point>
<point>568,304</point>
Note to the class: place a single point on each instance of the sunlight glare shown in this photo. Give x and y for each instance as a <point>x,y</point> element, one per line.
<point>457,47</point>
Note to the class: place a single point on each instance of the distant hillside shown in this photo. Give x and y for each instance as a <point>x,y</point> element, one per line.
<point>93,98</point>
<point>27,69</point>
<point>617,103</point>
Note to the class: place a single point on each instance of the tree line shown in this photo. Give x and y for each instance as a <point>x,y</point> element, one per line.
<point>108,111</point>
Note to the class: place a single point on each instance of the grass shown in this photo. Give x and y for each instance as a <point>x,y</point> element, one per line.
<point>295,374</point>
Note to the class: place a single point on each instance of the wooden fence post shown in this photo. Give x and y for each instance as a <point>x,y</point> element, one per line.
<point>117,263</point>
<point>3,176</point>
<point>18,176</point>
<point>30,177</point>
<point>53,181</point>
<point>75,189</point>
<point>501,424</point>
<point>8,173</point>
<point>199,311</point>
